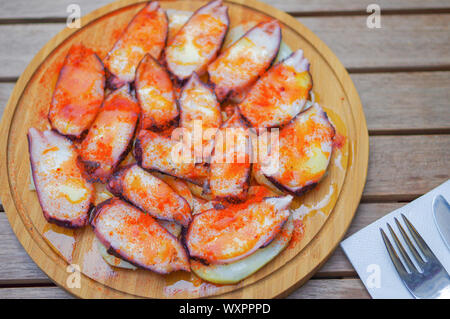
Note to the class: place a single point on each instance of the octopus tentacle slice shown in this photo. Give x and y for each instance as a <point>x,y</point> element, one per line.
<point>110,138</point>
<point>280,94</point>
<point>201,205</point>
<point>137,238</point>
<point>239,66</point>
<point>199,106</point>
<point>155,152</point>
<point>221,236</point>
<point>179,186</point>
<point>146,33</point>
<point>230,169</point>
<point>150,194</point>
<point>235,272</point>
<point>306,146</point>
<point>154,91</point>
<point>198,42</point>
<point>64,195</point>
<point>172,227</point>
<point>79,92</point>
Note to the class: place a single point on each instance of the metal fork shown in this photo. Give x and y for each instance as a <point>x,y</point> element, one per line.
<point>431,281</point>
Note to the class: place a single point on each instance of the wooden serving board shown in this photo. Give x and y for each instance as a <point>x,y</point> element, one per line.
<point>327,210</point>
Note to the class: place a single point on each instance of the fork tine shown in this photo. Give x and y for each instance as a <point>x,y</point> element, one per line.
<point>405,256</point>
<point>394,257</point>
<point>408,241</point>
<point>423,247</point>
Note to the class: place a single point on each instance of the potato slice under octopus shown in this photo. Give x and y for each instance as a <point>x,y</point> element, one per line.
<point>154,91</point>
<point>146,33</point>
<point>137,238</point>
<point>150,194</point>
<point>64,195</point>
<point>305,149</point>
<point>230,168</point>
<point>155,152</point>
<point>280,94</point>
<point>110,138</point>
<point>239,66</point>
<point>79,92</point>
<point>198,42</point>
<point>220,236</point>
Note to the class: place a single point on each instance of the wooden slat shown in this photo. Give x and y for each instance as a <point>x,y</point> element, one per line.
<point>411,41</point>
<point>393,102</point>
<point>342,6</point>
<point>315,288</point>
<point>21,9</point>
<point>20,43</point>
<point>5,92</point>
<point>331,289</point>
<point>403,167</point>
<point>15,265</point>
<point>416,101</point>
<point>34,293</point>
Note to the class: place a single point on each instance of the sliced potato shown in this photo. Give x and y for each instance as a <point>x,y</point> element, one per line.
<point>112,260</point>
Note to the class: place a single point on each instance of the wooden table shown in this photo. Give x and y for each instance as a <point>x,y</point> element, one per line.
<point>401,71</point>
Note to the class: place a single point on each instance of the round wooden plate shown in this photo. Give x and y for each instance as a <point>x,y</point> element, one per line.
<point>327,210</point>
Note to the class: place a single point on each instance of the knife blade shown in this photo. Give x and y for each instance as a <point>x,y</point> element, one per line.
<point>441,213</point>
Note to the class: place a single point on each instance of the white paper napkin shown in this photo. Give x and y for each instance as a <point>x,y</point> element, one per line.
<point>368,254</point>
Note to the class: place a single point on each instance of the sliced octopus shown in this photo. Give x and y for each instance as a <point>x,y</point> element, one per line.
<point>137,238</point>
<point>155,152</point>
<point>154,91</point>
<point>150,194</point>
<point>280,94</point>
<point>239,66</point>
<point>306,146</point>
<point>200,111</point>
<point>110,138</point>
<point>230,168</point>
<point>146,33</point>
<point>198,41</point>
<point>65,196</point>
<point>220,236</point>
<point>79,92</point>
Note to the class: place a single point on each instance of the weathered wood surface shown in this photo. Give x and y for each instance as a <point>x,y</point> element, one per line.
<point>313,289</point>
<point>403,42</point>
<point>404,167</point>
<point>47,9</point>
<point>400,100</point>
